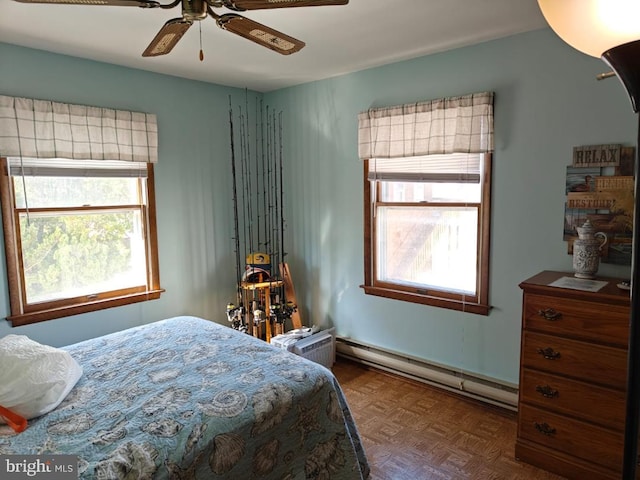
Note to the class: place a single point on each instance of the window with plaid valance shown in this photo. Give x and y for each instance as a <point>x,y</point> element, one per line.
<point>427,185</point>
<point>78,208</point>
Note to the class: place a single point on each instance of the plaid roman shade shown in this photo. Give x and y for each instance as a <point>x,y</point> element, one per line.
<point>32,128</point>
<point>461,124</point>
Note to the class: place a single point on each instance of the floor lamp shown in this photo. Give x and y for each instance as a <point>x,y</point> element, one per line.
<point>610,29</point>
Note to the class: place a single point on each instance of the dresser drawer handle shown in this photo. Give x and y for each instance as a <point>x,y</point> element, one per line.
<point>545,429</point>
<point>549,353</point>
<point>550,314</point>
<point>547,391</point>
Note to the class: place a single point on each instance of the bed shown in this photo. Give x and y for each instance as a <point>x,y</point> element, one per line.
<point>186,398</point>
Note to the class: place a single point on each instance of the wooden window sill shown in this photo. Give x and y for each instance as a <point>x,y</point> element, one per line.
<point>452,304</point>
<point>66,311</point>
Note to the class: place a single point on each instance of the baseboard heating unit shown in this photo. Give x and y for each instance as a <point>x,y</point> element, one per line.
<point>464,383</point>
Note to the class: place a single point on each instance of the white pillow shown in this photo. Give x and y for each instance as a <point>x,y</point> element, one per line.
<point>34,378</point>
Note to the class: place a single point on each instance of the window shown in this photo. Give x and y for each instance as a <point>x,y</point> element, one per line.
<point>429,240</point>
<point>77,239</point>
<point>78,208</point>
<point>427,202</point>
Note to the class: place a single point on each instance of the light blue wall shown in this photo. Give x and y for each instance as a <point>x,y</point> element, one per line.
<point>547,102</point>
<point>192,184</point>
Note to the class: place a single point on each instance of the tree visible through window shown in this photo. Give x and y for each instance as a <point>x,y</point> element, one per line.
<point>78,239</point>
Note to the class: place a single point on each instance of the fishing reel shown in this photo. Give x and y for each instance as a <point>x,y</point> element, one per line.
<point>282,312</point>
<point>258,316</point>
<point>234,316</point>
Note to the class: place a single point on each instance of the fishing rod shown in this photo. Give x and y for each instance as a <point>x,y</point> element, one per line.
<point>276,246</point>
<point>243,181</point>
<point>286,308</point>
<point>251,295</point>
<point>276,309</point>
<point>235,312</point>
<point>257,178</point>
<point>246,221</point>
<point>235,201</point>
<point>264,174</point>
<point>282,252</point>
<point>268,206</point>
<point>246,177</point>
<point>247,141</point>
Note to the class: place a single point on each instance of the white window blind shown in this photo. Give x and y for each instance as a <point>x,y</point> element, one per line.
<point>45,129</point>
<point>453,168</point>
<point>60,167</point>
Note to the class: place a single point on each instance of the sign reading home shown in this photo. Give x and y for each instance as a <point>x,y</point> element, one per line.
<point>596,156</point>
<point>44,467</point>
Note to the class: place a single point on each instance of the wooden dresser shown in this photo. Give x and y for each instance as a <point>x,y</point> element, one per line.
<point>573,365</point>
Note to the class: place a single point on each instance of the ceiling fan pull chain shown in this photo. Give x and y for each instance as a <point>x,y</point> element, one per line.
<point>201,52</point>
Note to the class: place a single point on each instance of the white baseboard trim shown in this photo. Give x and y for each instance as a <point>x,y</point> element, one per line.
<point>470,385</point>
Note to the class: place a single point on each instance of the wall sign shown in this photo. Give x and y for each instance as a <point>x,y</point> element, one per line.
<point>599,187</point>
<point>596,156</point>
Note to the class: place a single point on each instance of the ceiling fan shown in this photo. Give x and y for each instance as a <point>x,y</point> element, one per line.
<point>196,10</point>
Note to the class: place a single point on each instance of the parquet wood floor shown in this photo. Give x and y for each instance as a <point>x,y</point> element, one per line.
<point>414,431</point>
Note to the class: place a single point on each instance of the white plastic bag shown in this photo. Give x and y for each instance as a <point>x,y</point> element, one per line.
<point>34,378</point>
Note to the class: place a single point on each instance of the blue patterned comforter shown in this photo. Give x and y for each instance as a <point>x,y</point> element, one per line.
<point>186,398</point>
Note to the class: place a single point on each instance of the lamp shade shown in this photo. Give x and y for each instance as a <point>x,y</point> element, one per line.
<point>610,29</point>
<point>593,26</point>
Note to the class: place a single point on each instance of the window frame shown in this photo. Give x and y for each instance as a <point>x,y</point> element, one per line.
<point>479,303</point>
<point>25,314</point>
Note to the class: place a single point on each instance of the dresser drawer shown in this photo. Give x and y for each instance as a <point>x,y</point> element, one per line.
<point>573,437</point>
<point>580,360</point>
<point>577,318</point>
<point>600,405</point>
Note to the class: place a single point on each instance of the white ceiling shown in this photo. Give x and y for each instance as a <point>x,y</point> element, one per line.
<point>339,39</point>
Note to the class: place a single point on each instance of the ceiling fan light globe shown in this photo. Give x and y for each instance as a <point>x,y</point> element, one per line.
<point>593,26</point>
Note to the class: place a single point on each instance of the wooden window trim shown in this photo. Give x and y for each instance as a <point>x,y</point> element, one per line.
<point>91,306</point>
<point>22,314</point>
<point>478,304</point>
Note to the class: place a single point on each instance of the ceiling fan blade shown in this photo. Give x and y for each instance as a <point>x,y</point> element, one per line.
<point>117,3</point>
<point>167,37</point>
<point>241,5</point>
<point>258,33</point>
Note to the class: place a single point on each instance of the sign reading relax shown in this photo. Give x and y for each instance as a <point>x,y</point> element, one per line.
<point>596,156</point>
